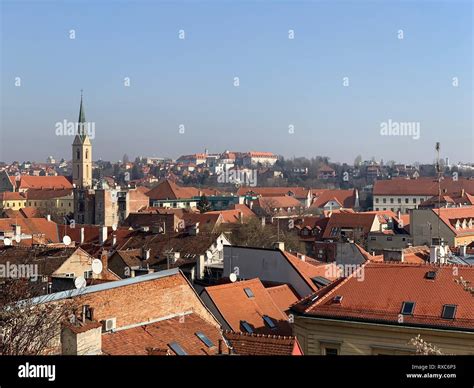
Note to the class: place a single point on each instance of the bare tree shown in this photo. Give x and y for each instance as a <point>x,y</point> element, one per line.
<point>27,325</point>
<point>424,348</point>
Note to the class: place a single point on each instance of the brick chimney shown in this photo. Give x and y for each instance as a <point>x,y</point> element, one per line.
<point>104,258</point>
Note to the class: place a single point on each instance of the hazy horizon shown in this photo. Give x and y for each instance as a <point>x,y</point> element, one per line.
<point>287,80</point>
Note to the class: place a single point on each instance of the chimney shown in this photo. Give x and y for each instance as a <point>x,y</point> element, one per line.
<point>102,235</point>
<point>104,258</point>
<point>114,239</point>
<point>262,219</point>
<point>194,229</point>
<point>48,217</point>
<point>399,214</point>
<point>462,193</point>
<point>279,245</point>
<point>82,339</point>
<point>145,253</point>
<point>241,217</point>
<point>463,250</point>
<point>17,230</point>
<point>82,235</point>
<point>200,267</point>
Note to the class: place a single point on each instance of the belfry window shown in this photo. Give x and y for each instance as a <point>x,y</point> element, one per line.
<point>78,154</point>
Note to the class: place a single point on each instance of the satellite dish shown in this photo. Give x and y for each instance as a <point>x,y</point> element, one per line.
<point>18,239</point>
<point>97,266</point>
<point>114,227</point>
<point>66,240</point>
<point>80,282</point>
<point>233,277</point>
<point>7,242</point>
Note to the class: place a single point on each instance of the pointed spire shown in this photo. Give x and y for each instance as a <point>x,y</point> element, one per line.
<point>82,129</point>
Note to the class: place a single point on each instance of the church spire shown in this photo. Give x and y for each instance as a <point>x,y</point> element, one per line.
<point>82,125</point>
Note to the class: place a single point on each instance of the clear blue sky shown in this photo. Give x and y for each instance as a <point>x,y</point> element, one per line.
<point>282,81</point>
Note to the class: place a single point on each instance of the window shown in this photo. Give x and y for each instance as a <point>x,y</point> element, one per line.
<point>399,200</point>
<point>245,325</point>
<point>175,347</point>
<point>414,200</point>
<point>205,339</point>
<point>431,275</point>
<point>408,308</point>
<point>78,154</point>
<point>373,239</point>
<point>376,200</point>
<point>406,200</point>
<point>269,322</point>
<point>249,292</point>
<point>449,311</point>
<point>391,200</point>
<point>384,200</point>
<point>331,351</point>
<point>389,238</point>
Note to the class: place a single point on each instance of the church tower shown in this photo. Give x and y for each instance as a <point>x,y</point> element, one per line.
<point>82,154</point>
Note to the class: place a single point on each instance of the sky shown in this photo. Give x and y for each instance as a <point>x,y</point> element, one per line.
<point>350,69</point>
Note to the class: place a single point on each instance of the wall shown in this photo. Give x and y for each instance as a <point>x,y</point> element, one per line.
<point>265,264</point>
<point>368,339</point>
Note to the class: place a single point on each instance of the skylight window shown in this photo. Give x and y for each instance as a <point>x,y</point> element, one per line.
<point>320,281</point>
<point>269,322</point>
<point>337,299</point>
<point>449,311</point>
<point>249,292</point>
<point>431,275</point>
<point>408,308</point>
<point>205,339</point>
<point>175,347</point>
<point>245,325</point>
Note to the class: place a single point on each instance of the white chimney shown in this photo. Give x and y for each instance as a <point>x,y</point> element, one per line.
<point>279,245</point>
<point>48,217</point>
<point>463,250</point>
<point>114,240</point>
<point>17,230</point>
<point>82,236</point>
<point>102,234</point>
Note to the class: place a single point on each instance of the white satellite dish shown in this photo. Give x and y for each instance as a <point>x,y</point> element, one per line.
<point>80,282</point>
<point>233,277</point>
<point>18,239</point>
<point>7,242</point>
<point>97,266</point>
<point>114,227</point>
<point>66,240</point>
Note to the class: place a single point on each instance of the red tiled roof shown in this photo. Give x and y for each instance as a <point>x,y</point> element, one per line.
<point>298,192</point>
<point>12,196</point>
<point>310,268</point>
<point>235,306</point>
<point>37,194</point>
<point>280,202</point>
<point>451,215</point>
<point>350,220</point>
<point>421,186</point>
<point>345,197</point>
<point>385,286</point>
<point>262,345</point>
<point>41,182</point>
<point>158,335</point>
<point>283,295</point>
<point>29,226</point>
